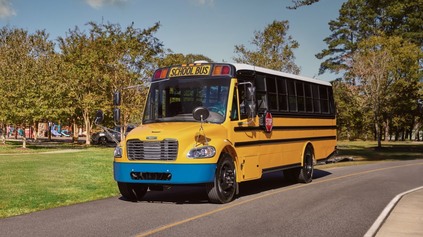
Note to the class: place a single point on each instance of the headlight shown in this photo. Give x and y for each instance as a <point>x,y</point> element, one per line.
<point>118,152</point>
<point>202,152</point>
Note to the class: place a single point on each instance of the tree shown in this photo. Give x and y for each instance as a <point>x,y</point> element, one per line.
<point>274,49</point>
<point>106,60</point>
<point>178,58</point>
<point>24,74</point>
<point>361,19</point>
<point>384,69</point>
<point>300,3</point>
<point>351,116</point>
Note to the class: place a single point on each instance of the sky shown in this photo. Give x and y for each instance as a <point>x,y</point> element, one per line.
<point>208,27</point>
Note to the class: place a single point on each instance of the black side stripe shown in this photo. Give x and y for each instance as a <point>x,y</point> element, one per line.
<point>280,141</point>
<point>285,128</point>
<point>279,168</point>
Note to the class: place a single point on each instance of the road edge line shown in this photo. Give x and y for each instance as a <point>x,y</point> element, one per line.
<point>385,213</point>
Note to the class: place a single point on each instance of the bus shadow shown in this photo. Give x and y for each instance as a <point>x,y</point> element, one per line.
<point>272,181</point>
<point>178,195</point>
<point>198,195</point>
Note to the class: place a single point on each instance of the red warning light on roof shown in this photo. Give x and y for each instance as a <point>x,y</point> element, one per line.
<point>219,70</point>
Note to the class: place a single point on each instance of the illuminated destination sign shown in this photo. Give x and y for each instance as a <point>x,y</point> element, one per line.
<point>197,70</point>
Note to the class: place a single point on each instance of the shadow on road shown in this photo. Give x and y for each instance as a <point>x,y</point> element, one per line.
<point>198,195</point>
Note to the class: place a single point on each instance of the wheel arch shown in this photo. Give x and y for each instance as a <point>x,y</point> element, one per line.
<point>229,149</point>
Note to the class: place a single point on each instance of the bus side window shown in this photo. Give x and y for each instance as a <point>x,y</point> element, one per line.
<point>261,94</point>
<point>244,103</point>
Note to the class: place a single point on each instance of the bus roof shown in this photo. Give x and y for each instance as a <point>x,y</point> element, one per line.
<point>240,67</point>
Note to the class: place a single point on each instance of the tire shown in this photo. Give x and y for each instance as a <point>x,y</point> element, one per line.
<point>102,140</point>
<point>132,191</point>
<point>303,174</point>
<point>306,172</point>
<point>224,187</point>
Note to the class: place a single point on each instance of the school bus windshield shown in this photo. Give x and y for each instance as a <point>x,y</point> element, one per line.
<point>173,100</point>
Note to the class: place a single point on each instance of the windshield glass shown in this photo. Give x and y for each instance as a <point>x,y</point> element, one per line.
<point>174,99</point>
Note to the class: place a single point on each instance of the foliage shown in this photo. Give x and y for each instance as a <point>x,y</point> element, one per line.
<point>352,119</point>
<point>106,60</point>
<point>28,77</point>
<point>300,3</point>
<point>377,45</point>
<point>178,58</point>
<point>274,49</point>
<point>386,72</point>
<point>361,19</point>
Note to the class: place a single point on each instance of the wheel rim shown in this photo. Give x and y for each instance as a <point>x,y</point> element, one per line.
<point>308,166</point>
<point>226,182</point>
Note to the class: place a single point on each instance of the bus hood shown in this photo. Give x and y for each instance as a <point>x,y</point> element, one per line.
<point>184,132</point>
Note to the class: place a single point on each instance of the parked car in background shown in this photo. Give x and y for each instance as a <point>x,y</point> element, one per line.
<point>104,137</point>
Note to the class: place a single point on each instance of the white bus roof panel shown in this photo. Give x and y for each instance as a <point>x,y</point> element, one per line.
<point>278,73</point>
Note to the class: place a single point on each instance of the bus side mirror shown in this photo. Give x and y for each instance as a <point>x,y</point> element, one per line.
<point>249,100</point>
<point>116,115</point>
<point>252,101</point>
<point>116,98</point>
<point>99,117</point>
<point>251,92</point>
<point>252,109</point>
<point>200,113</point>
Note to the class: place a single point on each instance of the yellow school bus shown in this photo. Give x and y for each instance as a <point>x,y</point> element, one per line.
<point>220,124</point>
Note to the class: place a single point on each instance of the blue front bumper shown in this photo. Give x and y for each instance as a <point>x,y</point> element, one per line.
<point>164,173</point>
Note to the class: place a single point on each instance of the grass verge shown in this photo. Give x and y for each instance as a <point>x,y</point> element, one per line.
<point>34,179</point>
<point>365,152</point>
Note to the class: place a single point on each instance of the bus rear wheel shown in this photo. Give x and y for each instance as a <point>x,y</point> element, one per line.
<point>302,174</point>
<point>223,189</point>
<point>132,191</point>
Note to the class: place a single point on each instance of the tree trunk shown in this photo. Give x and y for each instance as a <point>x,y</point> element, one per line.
<point>24,141</point>
<point>87,123</point>
<point>35,131</point>
<point>49,131</point>
<point>378,134</point>
<point>74,131</point>
<point>387,130</point>
<point>3,133</point>
<point>23,137</point>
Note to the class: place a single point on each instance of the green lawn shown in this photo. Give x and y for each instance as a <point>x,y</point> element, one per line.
<point>364,152</point>
<point>42,178</point>
<point>368,150</point>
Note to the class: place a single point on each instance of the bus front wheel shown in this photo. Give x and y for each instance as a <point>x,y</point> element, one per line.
<point>132,191</point>
<point>223,189</point>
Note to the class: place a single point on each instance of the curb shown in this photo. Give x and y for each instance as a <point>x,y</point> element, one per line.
<point>385,213</point>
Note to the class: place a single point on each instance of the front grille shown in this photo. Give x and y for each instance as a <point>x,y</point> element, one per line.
<point>152,150</point>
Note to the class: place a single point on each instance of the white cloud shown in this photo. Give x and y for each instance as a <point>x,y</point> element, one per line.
<point>6,9</point>
<point>204,2</point>
<point>97,4</point>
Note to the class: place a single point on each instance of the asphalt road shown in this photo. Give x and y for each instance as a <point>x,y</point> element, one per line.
<point>339,202</point>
